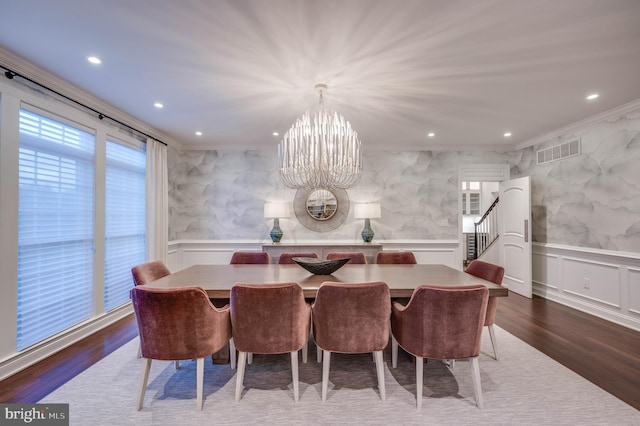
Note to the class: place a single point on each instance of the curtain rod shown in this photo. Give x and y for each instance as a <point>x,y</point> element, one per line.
<point>10,74</point>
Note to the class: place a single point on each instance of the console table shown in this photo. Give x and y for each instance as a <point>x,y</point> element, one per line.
<point>275,250</point>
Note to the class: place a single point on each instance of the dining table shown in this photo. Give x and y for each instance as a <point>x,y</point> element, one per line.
<point>217,280</point>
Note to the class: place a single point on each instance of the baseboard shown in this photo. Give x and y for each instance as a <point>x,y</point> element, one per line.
<point>45,349</point>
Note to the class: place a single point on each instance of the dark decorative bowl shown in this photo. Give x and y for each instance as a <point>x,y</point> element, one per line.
<point>318,266</point>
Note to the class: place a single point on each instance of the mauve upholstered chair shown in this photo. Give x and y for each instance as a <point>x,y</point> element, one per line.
<point>441,323</point>
<point>352,318</point>
<point>287,258</point>
<point>357,258</point>
<point>399,257</point>
<point>178,323</point>
<point>250,258</point>
<point>149,271</point>
<point>269,319</point>
<point>493,273</point>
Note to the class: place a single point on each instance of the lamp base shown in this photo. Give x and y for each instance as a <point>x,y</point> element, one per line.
<point>367,232</point>
<point>276,232</point>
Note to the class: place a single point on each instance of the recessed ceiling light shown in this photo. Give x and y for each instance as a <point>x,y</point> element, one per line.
<point>275,134</point>
<point>431,135</point>
<point>94,60</point>
<point>158,105</point>
<point>507,135</point>
<point>592,96</point>
<point>198,133</point>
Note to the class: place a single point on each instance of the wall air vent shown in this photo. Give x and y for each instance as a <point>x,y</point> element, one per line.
<point>558,152</point>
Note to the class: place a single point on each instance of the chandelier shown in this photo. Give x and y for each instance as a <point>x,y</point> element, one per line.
<point>323,153</point>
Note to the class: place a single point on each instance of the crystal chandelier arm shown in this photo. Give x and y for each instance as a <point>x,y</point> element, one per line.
<point>323,153</point>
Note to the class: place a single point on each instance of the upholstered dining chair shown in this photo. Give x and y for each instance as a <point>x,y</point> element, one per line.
<point>357,258</point>
<point>493,273</point>
<point>269,319</point>
<point>150,271</point>
<point>178,323</point>
<point>441,323</point>
<point>352,318</point>
<point>145,273</point>
<point>250,258</point>
<point>391,257</point>
<point>287,258</point>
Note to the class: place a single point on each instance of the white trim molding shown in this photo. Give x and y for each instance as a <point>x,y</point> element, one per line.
<point>576,126</point>
<point>600,282</point>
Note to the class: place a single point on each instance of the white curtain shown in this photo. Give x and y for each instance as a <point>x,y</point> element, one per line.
<point>157,201</point>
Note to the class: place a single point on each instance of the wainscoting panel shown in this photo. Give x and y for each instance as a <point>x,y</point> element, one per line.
<point>185,253</point>
<point>596,281</point>
<point>603,283</point>
<point>634,290</point>
<point>546,271</point>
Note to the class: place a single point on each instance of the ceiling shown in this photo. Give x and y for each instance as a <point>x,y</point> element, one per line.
<point>239,70</point>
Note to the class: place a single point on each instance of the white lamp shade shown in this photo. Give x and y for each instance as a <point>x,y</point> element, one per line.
<point>274,210</point>
<point>367,211</point>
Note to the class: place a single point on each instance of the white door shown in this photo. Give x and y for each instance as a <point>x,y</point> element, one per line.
<point>515,234</point>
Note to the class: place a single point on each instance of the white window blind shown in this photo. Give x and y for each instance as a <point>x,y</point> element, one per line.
<point>125,220</point>
<point>55,227</point>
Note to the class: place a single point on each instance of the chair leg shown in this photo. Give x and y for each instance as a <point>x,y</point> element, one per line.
<point>146,367</point>
<point>318,350</point>
<point>139,351</point>
<point>199,381</point>
<point>305,351</point>
<point>294,373</point>
<point>394,351</point>
<point>380,371</point>
<point>232,354</point>
<point>325,373</point>
<point>177,364</point>
<point>494,342</point>
<point>242,364</point>
<point>249,357</point>
<point>477,386</point>
<point>419,376</point>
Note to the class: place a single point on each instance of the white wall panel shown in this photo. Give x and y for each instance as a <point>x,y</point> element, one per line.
<point>634,291</point>
<point>603,283</point>
<point>599,282</point>
<point>183,254</point>
<point>545,269</point>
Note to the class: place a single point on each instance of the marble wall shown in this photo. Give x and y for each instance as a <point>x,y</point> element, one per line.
<point>220,195</point>
<point>592,200</point>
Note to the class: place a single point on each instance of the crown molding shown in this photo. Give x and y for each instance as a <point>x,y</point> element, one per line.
<point>21,66</point>
<point>574,127</point>
<point>367,148</point>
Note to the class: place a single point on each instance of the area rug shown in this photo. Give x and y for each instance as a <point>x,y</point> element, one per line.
<point>525,387</point>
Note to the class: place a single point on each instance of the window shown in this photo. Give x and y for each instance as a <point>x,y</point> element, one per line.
<point>470,198</point>
<point>125,220</point>
<point>55,227</point>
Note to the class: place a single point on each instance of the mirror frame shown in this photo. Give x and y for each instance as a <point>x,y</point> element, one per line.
<point>333,211</point>
<point>338,218</point>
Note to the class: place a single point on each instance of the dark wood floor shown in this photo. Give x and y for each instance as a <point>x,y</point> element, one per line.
<point>602,352</point>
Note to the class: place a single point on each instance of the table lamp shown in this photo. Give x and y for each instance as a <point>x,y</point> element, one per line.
<point>276,211</point>
<point>366,212</point>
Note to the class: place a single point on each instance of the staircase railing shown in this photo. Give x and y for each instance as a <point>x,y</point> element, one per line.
<point>486,229</point>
